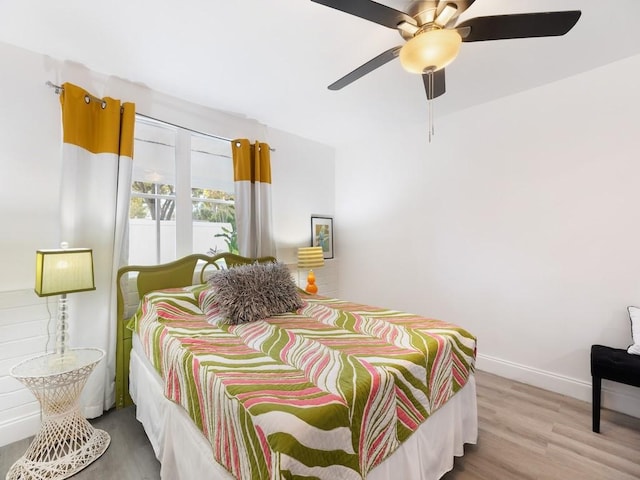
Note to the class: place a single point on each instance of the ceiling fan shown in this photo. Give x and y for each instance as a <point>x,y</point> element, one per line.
<point>433,39</point>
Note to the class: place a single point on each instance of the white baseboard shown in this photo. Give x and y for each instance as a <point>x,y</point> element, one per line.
<point>615,396</point>
<point>19,428</point>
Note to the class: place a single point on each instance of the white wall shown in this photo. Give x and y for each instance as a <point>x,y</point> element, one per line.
<point>30,145</point>
<point>307,169</point>
<point>520,222</point>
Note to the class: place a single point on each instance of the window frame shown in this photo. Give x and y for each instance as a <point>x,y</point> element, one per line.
<point>183,197</point>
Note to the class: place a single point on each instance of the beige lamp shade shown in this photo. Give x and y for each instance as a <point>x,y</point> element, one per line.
<point>430,50</point>
<point>310,257</point>
<point>64,270</point>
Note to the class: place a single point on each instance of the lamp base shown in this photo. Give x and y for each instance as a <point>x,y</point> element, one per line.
<point>62,334</point>
<point>311,283</point>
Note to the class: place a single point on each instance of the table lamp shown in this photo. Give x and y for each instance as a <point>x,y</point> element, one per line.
<point>62,271</point>
<point>310,257</point>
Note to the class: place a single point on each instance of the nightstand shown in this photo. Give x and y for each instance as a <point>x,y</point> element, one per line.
<point>66,442</point>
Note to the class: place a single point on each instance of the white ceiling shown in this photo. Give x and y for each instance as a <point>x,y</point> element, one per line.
<point>272,59</point>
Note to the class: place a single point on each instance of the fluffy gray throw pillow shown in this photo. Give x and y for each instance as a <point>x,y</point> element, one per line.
<point>254,292</point>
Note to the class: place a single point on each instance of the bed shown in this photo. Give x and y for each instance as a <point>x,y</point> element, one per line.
<point>331,389</point>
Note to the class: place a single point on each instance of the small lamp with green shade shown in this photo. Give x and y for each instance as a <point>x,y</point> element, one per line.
<point>59,272</point>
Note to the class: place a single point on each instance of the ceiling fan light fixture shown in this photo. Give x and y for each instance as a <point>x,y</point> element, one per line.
<point>430,50</point>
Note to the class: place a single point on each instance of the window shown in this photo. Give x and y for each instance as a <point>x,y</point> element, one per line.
<point>182,194</point>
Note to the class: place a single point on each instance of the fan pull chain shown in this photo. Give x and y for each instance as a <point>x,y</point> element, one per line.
<point>430,102</point>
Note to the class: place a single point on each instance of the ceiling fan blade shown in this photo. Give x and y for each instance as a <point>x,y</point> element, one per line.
<point>438,87</point>
<point>362,70</point>
<point>521,25</point>
<point>372,11</point>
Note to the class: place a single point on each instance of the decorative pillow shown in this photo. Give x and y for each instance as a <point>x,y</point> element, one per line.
<point>210,307</point>
<point>167,304</point>
<point>634,316</point>
<point>210,273</point>
<point>254,292</point>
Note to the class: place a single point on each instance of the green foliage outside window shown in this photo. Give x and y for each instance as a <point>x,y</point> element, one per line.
<point>230,238</point>
<point>221,212</point>
<point>142,207</point>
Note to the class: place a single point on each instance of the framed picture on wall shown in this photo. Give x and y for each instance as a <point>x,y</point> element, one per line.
<point>322,234</point>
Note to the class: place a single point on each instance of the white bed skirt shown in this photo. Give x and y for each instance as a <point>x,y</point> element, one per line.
<point>185,453</point>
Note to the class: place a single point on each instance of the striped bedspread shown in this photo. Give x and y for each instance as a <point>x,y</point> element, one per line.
<point>326,392</point>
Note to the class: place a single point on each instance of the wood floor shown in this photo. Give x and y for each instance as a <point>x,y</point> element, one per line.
<point>129,456</point>
<point>524,434</point>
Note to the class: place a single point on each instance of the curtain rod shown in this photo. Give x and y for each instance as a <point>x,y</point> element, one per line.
<point>88,97</point>
<point>58,90</point>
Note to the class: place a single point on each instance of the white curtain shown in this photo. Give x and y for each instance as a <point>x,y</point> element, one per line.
<point>252,177</point>
<point>96,184</point>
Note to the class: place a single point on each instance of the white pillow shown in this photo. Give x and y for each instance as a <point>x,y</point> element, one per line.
<point>634,316</point>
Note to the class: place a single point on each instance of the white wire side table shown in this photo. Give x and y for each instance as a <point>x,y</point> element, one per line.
<point>66,442</point>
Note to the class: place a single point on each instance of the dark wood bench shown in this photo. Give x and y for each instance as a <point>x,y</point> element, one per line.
<point>611,364</point>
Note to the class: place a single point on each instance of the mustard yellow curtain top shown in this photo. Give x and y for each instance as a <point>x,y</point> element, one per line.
<point>244,169</point>
<point>105,127</point>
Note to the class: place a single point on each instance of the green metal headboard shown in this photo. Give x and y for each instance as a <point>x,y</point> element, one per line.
<point>179,273</point>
